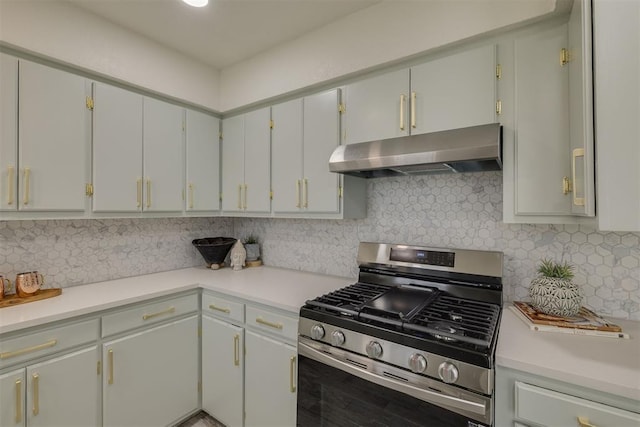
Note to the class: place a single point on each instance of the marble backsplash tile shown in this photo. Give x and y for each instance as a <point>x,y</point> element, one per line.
<point>436,210</point>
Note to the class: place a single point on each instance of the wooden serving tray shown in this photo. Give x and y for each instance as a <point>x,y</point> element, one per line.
<point>14,299</point>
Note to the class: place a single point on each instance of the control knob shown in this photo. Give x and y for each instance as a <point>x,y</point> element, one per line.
<point>337,338</point>
<point>374,349</point>
<point>448,372</point>
<point>417,363</point>
<point>317,332</point>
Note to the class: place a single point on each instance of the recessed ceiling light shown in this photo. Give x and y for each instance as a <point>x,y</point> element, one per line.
<point>196,3</point>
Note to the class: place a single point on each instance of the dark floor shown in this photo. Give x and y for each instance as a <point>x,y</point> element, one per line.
<point>201,419</point>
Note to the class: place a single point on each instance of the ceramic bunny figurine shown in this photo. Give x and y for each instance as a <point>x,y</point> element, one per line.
<point>238,256</point>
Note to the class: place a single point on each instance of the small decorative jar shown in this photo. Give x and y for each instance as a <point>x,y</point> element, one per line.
<point>553,292</point>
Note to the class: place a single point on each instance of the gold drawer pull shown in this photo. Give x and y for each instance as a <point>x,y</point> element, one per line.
<point>215,307</point>
<point>270,324</point>
<point>584,422</point>
<point>402,102</point>
<point>18,401</point>
<point>292,374</point>
<point>9,354</point>
<point>36,394</point>
<point>413,110</point>
<point>110,379</point>
<point>139,192</point>
<point>236,350</point>
<point>169,310</point>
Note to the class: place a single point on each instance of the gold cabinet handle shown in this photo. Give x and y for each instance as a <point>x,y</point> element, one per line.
<point>297,193</point>
<point>239,196</point>
<point>245,197</point>
<point>292,374</point>
<point>566,185</point>
<point>236,350</point>
<point>110,362</point>
<point>222,309</point>
<point>413,110</point>
<point>261,321</point>
<point>578,152</point>
<point>148,193</point>
<point>402,101</point>
<point>18,401</point>
<point>305,190</point>
<point>190,196</point>
<point>139,192</point>
<point>27,185</point>
<point>169,310</point>
<point>36,394</point>
<point>10,173</point>
<point>10,354</point>
<point>584,422</point>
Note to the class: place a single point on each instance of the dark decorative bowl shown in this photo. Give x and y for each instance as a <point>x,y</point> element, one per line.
<point>214,249</point>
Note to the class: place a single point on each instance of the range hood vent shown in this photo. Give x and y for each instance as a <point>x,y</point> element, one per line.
<point>472,149</point>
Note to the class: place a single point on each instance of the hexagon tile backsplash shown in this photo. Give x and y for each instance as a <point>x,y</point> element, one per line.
<point>463,211</point>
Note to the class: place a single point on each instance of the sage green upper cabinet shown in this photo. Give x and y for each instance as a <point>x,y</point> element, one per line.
<point>376,107</point>
<point>454,91</point>
<point>202,162</point>
<point>54,134</point>
<point>305,133</point>
<point>448,92</point>
<point>617,113</point>
<point>117,149</point>
<point>8,132</point>
<point>246,183</point>
<point>162,143</point>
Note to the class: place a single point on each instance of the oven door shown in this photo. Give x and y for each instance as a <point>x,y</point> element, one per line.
<point>338,388</point>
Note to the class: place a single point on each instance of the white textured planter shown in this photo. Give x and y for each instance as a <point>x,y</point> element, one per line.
<point>253,251</point>
<point>555,296</point>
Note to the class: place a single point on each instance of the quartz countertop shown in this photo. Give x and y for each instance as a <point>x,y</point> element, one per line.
<point>610,365</point>
<point>277,287</point>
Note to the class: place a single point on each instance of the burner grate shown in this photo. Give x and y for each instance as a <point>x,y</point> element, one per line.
<point>348,300</point>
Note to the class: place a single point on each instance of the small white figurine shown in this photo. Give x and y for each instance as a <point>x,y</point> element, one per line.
<point>238,256</point>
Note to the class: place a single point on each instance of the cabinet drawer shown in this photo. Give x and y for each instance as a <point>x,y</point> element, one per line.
<point>45,342</point>
<point>148,314</point>
<point>223,308</point>
<point>274,323</point>
<point>550,408</point>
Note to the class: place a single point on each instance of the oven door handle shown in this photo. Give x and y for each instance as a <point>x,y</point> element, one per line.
<point>422,394</point>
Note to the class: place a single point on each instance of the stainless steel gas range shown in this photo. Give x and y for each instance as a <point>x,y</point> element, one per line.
<point>412,343</point>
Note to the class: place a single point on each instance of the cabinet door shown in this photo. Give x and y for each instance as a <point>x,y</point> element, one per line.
<point>222,368</point>
<point>286,156</point>
<point>53,139</point>
<point>542,131</point>
<point>203,162</point>
<point>12,403</point>
<point>270,382</point>
<point>8,132</point>
<point>232,163</point>
<point>151,378</point>
<point>321,137</point>
<point>117,149</point>
<point>617,94</point>
<point>376,108</point>
<point>257,157</point>
<point>64,391</point>
<point>162,145</point>
<point>466,97</point>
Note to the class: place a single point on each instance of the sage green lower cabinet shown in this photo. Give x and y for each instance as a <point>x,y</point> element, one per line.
<point>270,382</point>
<point>222,371</point>
<point>12,399</point>
<point>150,377</point>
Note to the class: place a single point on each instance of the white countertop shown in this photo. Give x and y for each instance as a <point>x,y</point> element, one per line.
<point>276,287</point>
<point>610,365</point>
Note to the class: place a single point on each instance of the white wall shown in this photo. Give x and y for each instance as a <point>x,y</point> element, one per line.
<point>83,40</point>
<point>386,32</point>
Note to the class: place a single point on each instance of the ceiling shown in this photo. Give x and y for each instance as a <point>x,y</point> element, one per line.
<point>225,31</point>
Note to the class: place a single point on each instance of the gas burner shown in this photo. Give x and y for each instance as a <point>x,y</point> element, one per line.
<point>445,327</point>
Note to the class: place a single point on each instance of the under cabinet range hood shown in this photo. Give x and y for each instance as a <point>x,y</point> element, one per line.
<point>472,149</point>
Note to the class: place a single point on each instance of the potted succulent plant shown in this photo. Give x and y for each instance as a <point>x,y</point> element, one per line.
<point>553,292</point>
<point>252,247</point>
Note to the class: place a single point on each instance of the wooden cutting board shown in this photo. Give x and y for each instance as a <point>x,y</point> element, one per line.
<point>11,300</point>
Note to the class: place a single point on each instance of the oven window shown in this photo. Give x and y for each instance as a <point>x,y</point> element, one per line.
<point>330,397</point>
